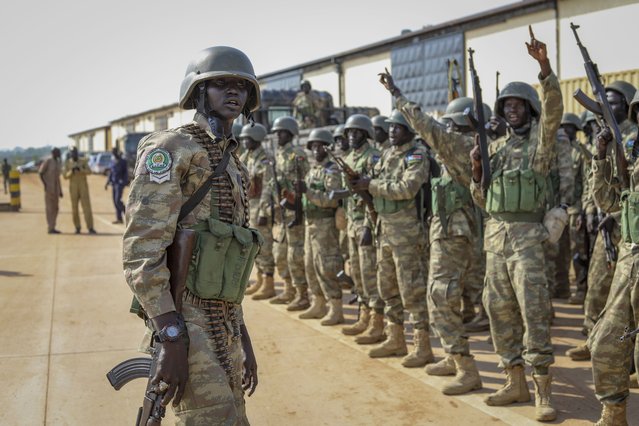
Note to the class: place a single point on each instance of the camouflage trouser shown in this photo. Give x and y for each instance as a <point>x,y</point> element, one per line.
<point>562,264</point>
<point>474,278</point>
<point>401,283</point>
<point>280,250</point>
<point>517,301</point>
<point>364,273</point>
<point>551,251</point>
<point>322,259</point>
<point>450,261</point>
<point>264,261</point>
<point>210,397</point>
<point>599,280</point>
<point>579,251</point>
<point>343,245</point>
<point>295,255</point>
<point>611,359</point>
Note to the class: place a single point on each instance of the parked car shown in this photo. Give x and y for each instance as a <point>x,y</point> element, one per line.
<point>101,163</point>
<point>30,167</point>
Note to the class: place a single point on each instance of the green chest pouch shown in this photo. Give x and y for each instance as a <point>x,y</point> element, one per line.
<point>448,196</point>
<point>313,211</point>
<point>630,217</point>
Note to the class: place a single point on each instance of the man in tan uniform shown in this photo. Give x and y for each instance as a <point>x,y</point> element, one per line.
<point>76,170</point>
<point>50,176</point>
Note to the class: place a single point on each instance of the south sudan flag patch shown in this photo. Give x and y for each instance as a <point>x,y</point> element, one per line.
<point>158,163</point>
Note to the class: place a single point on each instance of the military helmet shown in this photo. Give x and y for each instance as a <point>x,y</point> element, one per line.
<point>362,122</point>
<point>338,131</point>
<point>286,123</point>
<point>632,116</point>
<point>570,118</point>
<point>398,118</point>
<point>587,117</point>
<point>214,62</point>
<point>255,131</point>
<point>624,88</point>
<point>303,82</point>
<point>380,121</point>
<point>237,129</point>
<point>319,135</point>
<point>520,90</point>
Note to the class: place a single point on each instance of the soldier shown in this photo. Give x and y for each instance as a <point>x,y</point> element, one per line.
<point>76,170</point>
<point>340,144</point>
<point>49,172</point>
<point>397,190</point>
<point>322,259</point>
<point>516,294</point>
<point>611,358</point>
<point>261,203</point>
<point>340,140</point>
<point>381,131</point>
<point>307,106</point>
<point>361,249</point>
<point>602,268</point>
<point>200,357</point>
<point>453,232</point>
<point>292,166</point>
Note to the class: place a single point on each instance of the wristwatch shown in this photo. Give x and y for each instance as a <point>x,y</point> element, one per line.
<point>172,332</point>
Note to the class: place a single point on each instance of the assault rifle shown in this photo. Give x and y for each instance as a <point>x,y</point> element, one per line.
<point>278,190</point>
<point>178,257</point>
<point>601,108</point>
<point>479,123</point>
<point>350,175</point>
<point>611,250</point>
<point>297,205</point>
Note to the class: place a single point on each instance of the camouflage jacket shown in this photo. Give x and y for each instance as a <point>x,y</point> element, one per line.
<point>306,105</point>
<point>452,150</point>
<point>181,165</point>
<point>290,161</point>
<point>323,178</point>
<point>258,165</point>
<point>507,152</point>
<point>361,160</point>
<point>399,175</point>
<point>562,172</point>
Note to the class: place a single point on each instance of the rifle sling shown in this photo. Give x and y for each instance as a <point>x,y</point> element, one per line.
<point>198,195</point>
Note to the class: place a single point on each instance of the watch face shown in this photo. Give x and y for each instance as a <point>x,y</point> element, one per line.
<point>172,332</point>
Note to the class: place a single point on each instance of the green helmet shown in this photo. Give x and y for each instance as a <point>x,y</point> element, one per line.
<point>237,129</point>
<point>458,108</point>
<point>587,117</point>
<point>362,122</point>
<point>303,82</point>
<point>319,135</point>
<point>624,88</point>
<point>338,131</point>
<point>214,62</point>
<point>286,123</point>
<point>255,131</point>
<point>520,90</point>
<point>570,118</point>
<point>380,121</point>
<point>632,116</point>
<point>398,118</point>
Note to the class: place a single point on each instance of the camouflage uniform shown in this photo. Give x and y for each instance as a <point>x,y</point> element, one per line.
<point>363,259</point>
<point>261,202</point>
<point>306,109</point>
<point>322,258</point>
<point>288,159</point>
<point>213,390</point>
<point>578,243</point>
<point>453,228</point>
<point>516,294</point>
<point>399,176</point>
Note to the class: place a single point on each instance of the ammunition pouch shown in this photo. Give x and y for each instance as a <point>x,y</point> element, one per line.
<point>386,206</point>
<point>222,260</point>
<point>448,196</point>
<point>630,217</point>
<point>517,196</point>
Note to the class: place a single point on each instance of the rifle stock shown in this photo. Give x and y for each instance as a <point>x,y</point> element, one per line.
<point>480,128</point>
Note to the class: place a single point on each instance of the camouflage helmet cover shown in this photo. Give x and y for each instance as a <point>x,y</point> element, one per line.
<point>570,118</point>
<point>362,122</point>
<point>397,117</point>
<point>624,88</point>
<point>520,90</point>
<point>255,131</point>
<point>286,123</point>
<point>319,135</point>
<point>380,121</point>
<point>215,62</point>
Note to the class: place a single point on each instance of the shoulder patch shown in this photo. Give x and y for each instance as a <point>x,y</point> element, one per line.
<point>414,158</point>
<point>158,163</point>
<point>375,158</point>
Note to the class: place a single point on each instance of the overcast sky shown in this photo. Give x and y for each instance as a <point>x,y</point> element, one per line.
<point>71,65</point>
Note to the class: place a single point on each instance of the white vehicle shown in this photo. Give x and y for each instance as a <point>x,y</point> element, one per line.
<point>101,163</point>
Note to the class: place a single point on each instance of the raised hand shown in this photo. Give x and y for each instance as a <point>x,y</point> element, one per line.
<point>537,49</point>
<point>387,81</point>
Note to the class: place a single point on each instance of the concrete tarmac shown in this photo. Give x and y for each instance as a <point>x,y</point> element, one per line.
<point>64,310</point>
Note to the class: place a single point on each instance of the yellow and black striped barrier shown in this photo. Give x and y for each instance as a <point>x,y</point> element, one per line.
<point>14,190</point>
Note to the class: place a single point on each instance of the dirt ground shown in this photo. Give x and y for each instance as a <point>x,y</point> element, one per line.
<point>64,310</point>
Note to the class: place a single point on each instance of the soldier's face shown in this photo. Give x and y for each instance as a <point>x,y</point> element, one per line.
<point>283,137</point>
<point>249,144</point>
<point>399,134</point>
<point>55,152</point>
<point>570,130</point>
<point>342,143</point>
<point>356,137</point>
<point>306,88</point>
<point>515,112</point>
<point>380,135</point>
<point>227,96</point>
<point>319,152</point>
<point>617,105</point>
